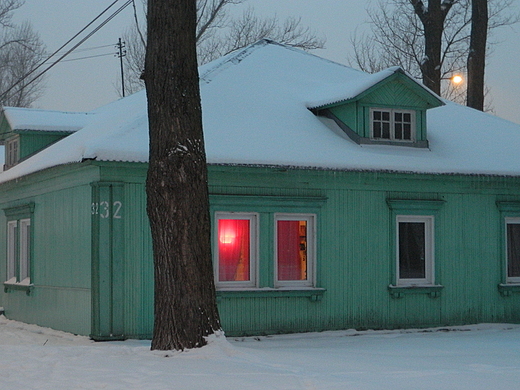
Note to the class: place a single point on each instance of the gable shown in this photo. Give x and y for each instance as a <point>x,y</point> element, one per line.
<point>26,131</point>
<point>397,102</point>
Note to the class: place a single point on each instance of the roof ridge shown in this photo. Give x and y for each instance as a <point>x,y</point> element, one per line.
<point>232,58</point>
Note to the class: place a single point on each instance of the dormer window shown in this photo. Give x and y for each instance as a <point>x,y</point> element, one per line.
<point>392,125</point>
<point>390,111</point>
<point>12,148</point>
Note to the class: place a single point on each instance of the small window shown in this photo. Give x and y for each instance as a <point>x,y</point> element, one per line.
<point>294,250</point>
<point>415,250</point>
<point>236,249</point>
<point>392,125</point>
<point>18,251</point>
<point>513,249</point>
<point>11,152</point>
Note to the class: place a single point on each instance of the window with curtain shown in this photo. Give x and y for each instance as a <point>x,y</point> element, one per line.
<point>294,249</point>
<point>236,249</point>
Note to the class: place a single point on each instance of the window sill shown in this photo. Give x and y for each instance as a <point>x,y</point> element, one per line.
<point>314,294</point>
<point>434,291</point>
<point>27,287</point>
<point>506,289</point>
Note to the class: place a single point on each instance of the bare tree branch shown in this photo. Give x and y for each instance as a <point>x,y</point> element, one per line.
<point>396,37</point>
<point>217,34</point>
<point>21,50</point>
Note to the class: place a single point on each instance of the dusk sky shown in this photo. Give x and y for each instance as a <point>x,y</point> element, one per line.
<point>85,84</point>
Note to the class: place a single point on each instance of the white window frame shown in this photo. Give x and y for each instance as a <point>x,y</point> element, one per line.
<point>508,221</point>
<point>12,152</point>
<point>429,225</point>
<point>311,249</point>
<point>253,248</point>
<point>25,250</point>
<point>19,251</point>
<point>392,111</point>
<point>12,251</point>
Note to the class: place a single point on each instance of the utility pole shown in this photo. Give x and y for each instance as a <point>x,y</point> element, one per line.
<point>120,54</point>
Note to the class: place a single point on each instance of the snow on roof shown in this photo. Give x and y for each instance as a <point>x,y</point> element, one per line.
<point>45,120</point>
<point>349,89</point>
<point>254,105</point>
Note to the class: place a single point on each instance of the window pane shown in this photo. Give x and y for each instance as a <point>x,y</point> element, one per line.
<point>398,117</point>
<point>398,127</point>
<point>12,252</point>
<point>292,250</point>
<point>377,129</point>
<point>377,115</point>
<point>25,248</point>
<point>513,250</point>
<point>407,133</point>
<point>386,130</point>
<point>386,116</point>
<point>412,250</point>
<point>234,249</point>
<point>407,117</point>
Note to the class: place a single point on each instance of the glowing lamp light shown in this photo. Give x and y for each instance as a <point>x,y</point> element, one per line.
<point>227,233</point>
<point>457,79</point>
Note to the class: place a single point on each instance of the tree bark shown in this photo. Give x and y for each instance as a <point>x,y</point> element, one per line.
<point>432,18</point>
<point>477,54</point>
<point>176,185</point>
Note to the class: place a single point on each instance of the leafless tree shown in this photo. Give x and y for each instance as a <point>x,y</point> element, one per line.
<point>477,54</point>
<point>6,11</point>
<point>397,37</point>
<point>218,33</point>
<point>21,50</point>
<point>176,185</point>
<point>249,28</point>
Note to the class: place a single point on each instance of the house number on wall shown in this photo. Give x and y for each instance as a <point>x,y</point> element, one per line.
<point>103,209</point>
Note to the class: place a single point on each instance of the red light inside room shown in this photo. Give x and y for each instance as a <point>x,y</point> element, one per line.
<point>234,249</point>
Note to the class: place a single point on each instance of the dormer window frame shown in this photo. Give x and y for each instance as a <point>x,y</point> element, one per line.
<point>393,130</point>
<point>12,152</point>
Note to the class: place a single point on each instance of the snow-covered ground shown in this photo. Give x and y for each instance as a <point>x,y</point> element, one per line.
<point>470,357</point>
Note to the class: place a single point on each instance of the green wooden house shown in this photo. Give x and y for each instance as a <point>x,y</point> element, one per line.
<point>339,200</point>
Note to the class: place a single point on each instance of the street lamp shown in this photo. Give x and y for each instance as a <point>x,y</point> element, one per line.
<point>457,79</point>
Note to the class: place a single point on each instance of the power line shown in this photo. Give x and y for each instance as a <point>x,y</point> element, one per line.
<point>127,3</point>
<point>88,57</point>
<point>88,48</point>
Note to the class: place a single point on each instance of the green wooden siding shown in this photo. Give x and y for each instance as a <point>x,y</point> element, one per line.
<point>31,143</point>
<point>60,267</point>
<point>355,251</point>
<point>138,264</point>
<point>356,260</point>
<point>108,245</point>
<point>397,92</point>
<point>348,114</point>
<point>394,94</point>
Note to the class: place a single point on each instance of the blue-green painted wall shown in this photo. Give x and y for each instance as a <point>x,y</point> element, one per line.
<point>355,256</point>
<point>61,256</point>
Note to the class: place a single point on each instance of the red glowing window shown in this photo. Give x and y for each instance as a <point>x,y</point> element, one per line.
<point>234,250</point>
<point>292,250</point>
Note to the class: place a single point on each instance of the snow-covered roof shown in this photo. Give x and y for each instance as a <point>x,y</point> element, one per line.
<point>45,120</point>
<point>255,112</point>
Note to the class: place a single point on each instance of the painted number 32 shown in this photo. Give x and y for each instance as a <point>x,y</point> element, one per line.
<point>103,209</point>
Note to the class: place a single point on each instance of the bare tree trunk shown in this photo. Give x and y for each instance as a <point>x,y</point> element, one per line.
<point>432,18</point>
<point>176,186</point>
<point>477,54</point>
